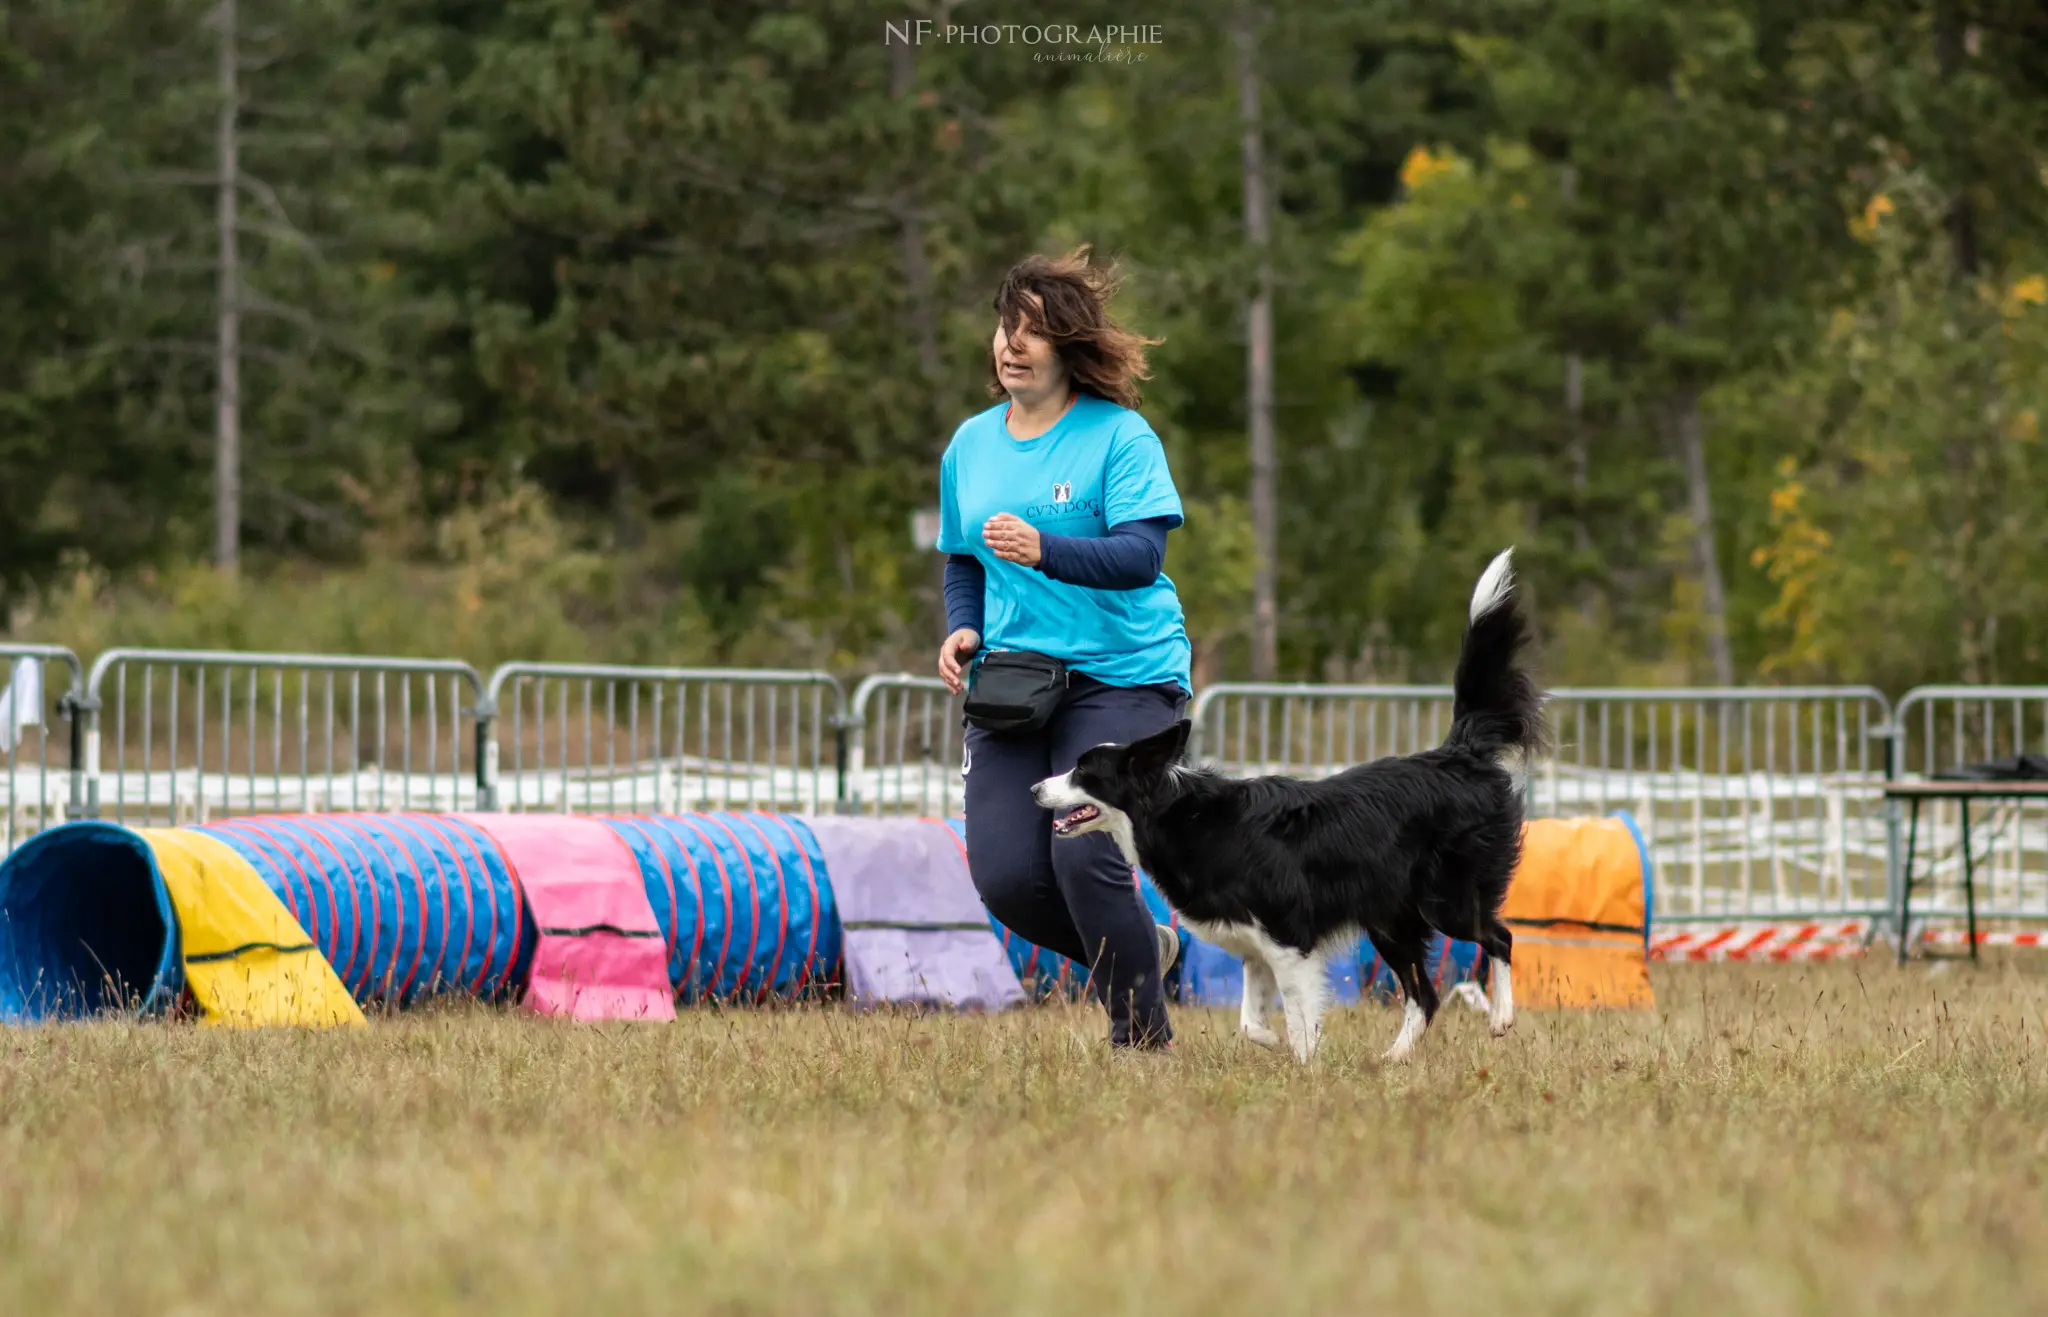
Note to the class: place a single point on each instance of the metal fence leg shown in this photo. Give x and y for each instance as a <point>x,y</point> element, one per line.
<point>1894,870</point>
<point>842,748</point>
<point>83,713</point>
<point>486,758</point>
<point>853,752</point>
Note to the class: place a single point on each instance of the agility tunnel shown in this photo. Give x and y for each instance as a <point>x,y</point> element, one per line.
<point>615,917</point>
<point>311,919</point>
<point>308,919</point>
<point>97,917</point>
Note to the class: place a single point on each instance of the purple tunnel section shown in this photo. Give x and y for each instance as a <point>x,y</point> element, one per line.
<point>914,929</point>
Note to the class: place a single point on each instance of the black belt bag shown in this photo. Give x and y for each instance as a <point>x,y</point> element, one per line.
<point>1014,690</point>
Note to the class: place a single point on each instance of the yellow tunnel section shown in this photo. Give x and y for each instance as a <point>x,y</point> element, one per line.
<point>248,962</point>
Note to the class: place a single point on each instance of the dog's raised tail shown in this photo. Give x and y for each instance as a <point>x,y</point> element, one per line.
<point>1496,705</point>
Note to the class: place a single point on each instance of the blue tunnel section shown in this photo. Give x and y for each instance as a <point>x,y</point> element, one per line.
<point>404,906</point>
<point>1214,977</point>
<point>86,926</point>
<point>743,901</point>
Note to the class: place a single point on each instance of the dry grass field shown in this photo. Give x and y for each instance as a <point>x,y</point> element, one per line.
<point>1840,1139</point>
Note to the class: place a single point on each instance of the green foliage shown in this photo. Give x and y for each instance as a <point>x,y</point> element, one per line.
<point>635,330</point>
<point>1210,562</point>
<point>1906,535</point>
<point>498,578</point>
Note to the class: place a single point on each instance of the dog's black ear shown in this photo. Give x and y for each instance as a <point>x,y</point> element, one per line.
<point>1161,749</point>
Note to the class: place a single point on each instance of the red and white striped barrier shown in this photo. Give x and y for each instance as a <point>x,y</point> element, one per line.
<point>1831,940</point>
<point>1828,940</point>
<point>1957,937</point>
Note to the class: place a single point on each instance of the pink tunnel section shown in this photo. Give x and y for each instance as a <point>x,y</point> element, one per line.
<point>600,954</point>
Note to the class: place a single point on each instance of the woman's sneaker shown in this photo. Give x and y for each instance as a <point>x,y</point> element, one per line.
<point>1169,947</point>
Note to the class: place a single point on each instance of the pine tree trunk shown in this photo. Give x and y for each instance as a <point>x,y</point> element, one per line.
<point>917,268</point>
<point>1948,57</point>
<point>1690,436</point>
<point>924,315</point>
<point>627,530</point>
<point>1259,362</point>
<point>227,442</point>
<point>1582,481</point>
<point>1576,446</point>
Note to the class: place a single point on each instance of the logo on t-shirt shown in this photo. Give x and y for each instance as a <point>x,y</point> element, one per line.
<point>1064,506</point>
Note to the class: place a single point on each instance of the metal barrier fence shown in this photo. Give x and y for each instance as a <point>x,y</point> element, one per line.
<point>1760,804</point>
<point>181,736</point>
<point>1945,727</point>
<point>1756,804</point>
<point>667,740</point>
<point>903,748</point>
<point>45,776</point>
<point>1250,728</point>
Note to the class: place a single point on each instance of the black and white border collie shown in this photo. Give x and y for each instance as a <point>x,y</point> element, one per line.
<point>1286,872</point>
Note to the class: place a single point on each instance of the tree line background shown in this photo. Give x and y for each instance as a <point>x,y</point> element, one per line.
<point>632,331</point>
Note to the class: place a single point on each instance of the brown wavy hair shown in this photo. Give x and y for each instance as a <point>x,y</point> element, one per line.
<point>1072,314</point>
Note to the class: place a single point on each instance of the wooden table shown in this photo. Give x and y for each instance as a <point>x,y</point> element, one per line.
<point>1963,793</point>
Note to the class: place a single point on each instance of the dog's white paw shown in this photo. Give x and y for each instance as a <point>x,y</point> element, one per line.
<point>1472,996</point>
<point>1501,1006</point>
<point>1413,1024</point>
<point>1260,1034</point>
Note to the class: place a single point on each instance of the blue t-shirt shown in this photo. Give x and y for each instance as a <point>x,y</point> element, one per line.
<point>1099,466</point>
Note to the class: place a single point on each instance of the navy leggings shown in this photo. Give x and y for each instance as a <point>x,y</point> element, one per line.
<point>1073,895</point>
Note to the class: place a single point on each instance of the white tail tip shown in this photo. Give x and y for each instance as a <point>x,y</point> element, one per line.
<point>1495,583</point>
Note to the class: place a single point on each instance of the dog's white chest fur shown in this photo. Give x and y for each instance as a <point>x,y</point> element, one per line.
<point>1240,940</point>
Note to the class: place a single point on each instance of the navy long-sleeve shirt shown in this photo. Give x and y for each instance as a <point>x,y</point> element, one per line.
<point>1128,558</point>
